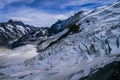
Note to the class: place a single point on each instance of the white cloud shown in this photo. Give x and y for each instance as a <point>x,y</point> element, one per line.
<point>81,2</point>
<point>34,17</point>
<point>1,5</point>
<point>22,19</point>
<point>75,3</point>
<point>37,17</point>
<point>4,3</point>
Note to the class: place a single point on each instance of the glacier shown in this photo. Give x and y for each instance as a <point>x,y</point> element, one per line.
<point>79,54</point>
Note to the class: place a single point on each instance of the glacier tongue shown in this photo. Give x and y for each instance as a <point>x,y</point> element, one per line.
<point>76,55</point>
<point>10,57</point>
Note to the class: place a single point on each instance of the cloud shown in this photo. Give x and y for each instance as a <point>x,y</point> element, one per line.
<point>7,3</point>
<point>44,12</point>
<point>3,3</point>
<point>74,3</point>
<point>33,17</point>
<point>21,19</point>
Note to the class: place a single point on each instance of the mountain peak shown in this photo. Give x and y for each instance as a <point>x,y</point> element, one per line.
<point>16,22</point>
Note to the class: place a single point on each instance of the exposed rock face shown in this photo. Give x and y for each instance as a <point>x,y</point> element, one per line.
<point>36,37</point>
<point>12,30</point>
<point>60,25</point>
<point>108,72</point>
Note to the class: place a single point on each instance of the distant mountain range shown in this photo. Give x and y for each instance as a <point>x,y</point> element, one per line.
<point>16,33</point>
<point>12,30</point>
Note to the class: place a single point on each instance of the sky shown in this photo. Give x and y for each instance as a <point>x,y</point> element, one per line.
<point>43,13</point>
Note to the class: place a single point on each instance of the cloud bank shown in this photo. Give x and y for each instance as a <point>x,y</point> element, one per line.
<point>44,12</point>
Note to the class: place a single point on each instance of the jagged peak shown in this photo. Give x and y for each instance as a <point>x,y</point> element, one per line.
<point>16,22</point>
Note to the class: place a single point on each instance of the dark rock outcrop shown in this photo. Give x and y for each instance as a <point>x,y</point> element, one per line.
<point>108,72</point>
<point>34,37</point>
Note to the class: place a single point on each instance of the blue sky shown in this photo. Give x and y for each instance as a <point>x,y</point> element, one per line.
<point>45,12</point>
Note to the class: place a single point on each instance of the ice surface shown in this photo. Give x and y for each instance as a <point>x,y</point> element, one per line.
<point>75,56</point>
<point>16,56</point>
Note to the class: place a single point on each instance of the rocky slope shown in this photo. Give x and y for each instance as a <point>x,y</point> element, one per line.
<point>75,49</point>
<point>11,30</point>
<point>16,33</point>
<point>50,35</point>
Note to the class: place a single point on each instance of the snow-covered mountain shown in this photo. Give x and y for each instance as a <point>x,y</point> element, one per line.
<point>77,48</point>
<point>12,30</point>
<point>15,33</point>
<point>50,35</point>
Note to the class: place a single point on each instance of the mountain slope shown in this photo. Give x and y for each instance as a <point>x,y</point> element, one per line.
<point>77,55</point>
<point>12,30</point>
